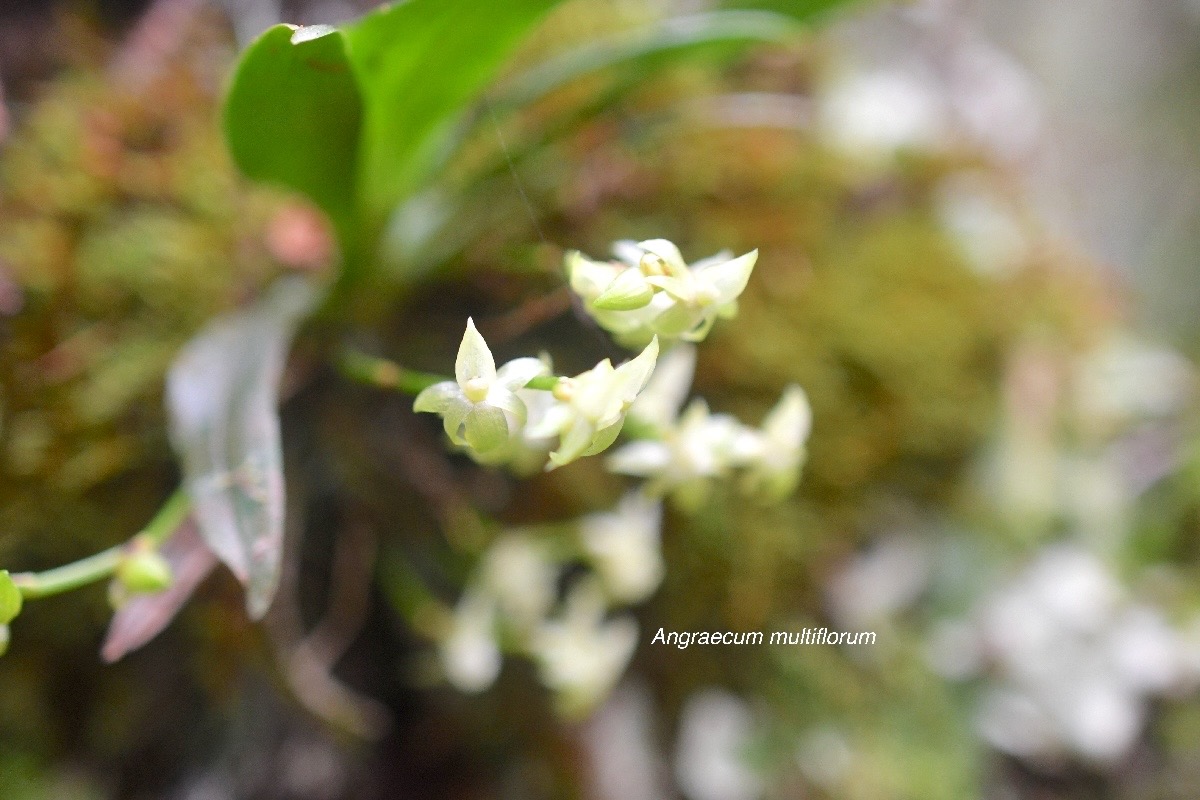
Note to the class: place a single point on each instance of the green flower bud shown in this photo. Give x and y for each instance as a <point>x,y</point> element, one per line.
<point>10,598</point>
<point>627,292</point>
<point>144,571</point>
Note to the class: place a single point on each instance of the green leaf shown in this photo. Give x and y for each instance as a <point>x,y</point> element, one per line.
<point>420,64</point>
<point>803,10</point>
<point>655,46</point>
<point>10,598</point>
<point>293,117</point>
<point>222,401</point>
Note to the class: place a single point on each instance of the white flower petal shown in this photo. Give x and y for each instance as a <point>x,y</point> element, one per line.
<point>474,358</point>
<point>486,428</point>
<point>729,279</point>
<point>667,251</point>
<point>520,371</point>
<point>659,403</point>
<point>635,373</point>
<point>642,459</point>
<point>439,398</point>
<point>506,400</point>
<point>788,424</point>
<point>469,653</point>
<point>589,278</point>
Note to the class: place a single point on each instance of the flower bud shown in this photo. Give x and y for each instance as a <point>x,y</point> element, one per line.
<point>627,292</point>
<point>144,571</point>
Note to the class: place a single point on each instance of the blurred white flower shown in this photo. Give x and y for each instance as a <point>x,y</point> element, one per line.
<point>875,113</point>
<point>658,405</point>
<point>825,757</point>
<point>470,656</point>
<point>880,582</point>
<point>521,576</point>
<point>1075,662</point>
<point>1125,380</point>
<point>986,229</point>
<point>700,447</point>
<point>592,406</point>
<point>624,547</point>
<point>580,654</point>
<point>473,407</point>
<point>710,758</point>
<point>655,293</point>
<point>773,468</point>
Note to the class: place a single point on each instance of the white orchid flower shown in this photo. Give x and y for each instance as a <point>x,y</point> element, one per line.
<point>700,447</point>
<point>469,653</point>
<point>477,406</point>
<point>592,406</point>
<point>522,577</point>
<point>580,655</point>
<point>624,547</point>
<point>773,468</point>
<point>656,293</point>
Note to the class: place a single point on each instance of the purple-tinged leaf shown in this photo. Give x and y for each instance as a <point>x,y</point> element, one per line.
<point>222,400</point>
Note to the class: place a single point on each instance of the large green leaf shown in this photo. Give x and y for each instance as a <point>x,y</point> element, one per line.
<point>293,117</point>
<point>419,64</point>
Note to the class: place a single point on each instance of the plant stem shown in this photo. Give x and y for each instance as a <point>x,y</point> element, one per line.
<point>385,374</point>
<point>544,382</point>
<point>101,565</point>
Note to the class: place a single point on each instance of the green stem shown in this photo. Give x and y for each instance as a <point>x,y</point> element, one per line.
<point>384,374</point>
<point>101,565</point>
<point>544,382</point>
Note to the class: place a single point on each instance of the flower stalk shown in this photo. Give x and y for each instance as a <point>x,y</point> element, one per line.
<point>35,585</point>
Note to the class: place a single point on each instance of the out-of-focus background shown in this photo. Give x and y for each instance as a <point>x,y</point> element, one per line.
<point>978,233</point>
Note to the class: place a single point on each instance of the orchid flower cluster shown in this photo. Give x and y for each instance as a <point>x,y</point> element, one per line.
<point>511,603</point>
<point>683,454</point>
<point>521,416</point>
<point>649,291</point>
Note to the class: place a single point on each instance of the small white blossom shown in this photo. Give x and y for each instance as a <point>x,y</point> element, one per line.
<point>715,732</point>
<point>687,453</point>
<point>475,406</point>
<point>521,576</point>
<point>526,450</point>
<point>469,653</point>
<point>773,469</point>
<point>624,547</point>
<point>592,406</point>
<point>700,447</point>
<point>581,655</point>
<point>655,293</point>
